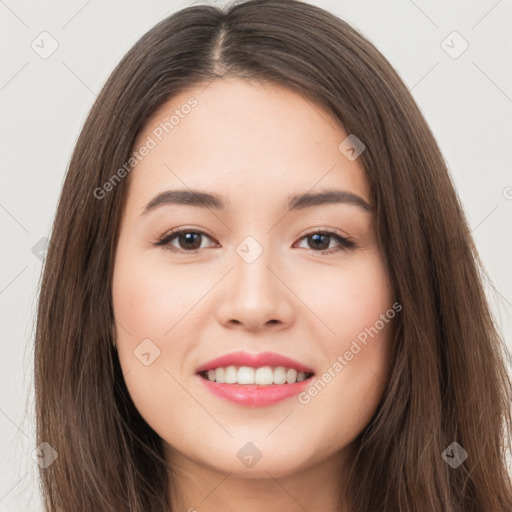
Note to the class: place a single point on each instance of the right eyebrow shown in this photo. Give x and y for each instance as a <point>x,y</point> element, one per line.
<point>185,197</point>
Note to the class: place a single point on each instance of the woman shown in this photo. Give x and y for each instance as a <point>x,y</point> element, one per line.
<point>261,292</point>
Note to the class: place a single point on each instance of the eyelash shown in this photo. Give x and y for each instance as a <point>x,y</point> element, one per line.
<point>346,244</point>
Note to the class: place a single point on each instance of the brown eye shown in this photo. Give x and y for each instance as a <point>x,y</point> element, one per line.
<point>187,240</point>
<point>321,241</point>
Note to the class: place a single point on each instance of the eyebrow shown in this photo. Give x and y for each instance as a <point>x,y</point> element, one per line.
<point>217,202</point>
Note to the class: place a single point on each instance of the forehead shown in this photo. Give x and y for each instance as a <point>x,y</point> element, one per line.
<point>247,140</point>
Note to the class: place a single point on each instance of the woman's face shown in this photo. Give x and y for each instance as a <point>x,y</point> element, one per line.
<point>252,276</point>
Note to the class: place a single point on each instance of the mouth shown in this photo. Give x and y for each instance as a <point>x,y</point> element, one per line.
<point>255,380</point>
<point>262,376</point>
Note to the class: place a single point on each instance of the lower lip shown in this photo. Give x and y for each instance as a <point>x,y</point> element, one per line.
<point>253,395</point>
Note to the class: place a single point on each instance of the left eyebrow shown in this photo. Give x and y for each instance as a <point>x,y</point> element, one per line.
<point>309,199</point>
<point>217,202</point>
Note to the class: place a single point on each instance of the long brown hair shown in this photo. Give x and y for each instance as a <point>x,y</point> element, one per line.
<point>449,382</point>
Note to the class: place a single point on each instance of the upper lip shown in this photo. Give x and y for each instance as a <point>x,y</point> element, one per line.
<point>253,361</point>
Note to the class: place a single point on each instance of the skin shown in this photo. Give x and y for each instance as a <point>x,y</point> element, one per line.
<point>256,144</point>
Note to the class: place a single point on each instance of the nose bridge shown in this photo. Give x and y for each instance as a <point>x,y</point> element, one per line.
<point>256,296</point>
<point>253,259</point>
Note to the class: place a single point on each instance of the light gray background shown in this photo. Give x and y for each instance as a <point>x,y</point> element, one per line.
<point>467,102</point>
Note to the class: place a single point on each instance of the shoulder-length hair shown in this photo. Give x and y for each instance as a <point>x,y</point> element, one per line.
<point>449,382</point>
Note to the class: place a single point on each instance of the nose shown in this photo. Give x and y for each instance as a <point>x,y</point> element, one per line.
<point>256,294</point>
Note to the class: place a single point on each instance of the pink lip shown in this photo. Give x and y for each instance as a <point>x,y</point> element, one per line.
<point>253,395</point>
<point>254,361</point>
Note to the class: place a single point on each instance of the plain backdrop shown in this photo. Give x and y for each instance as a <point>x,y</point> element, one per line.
<point>464,93</point>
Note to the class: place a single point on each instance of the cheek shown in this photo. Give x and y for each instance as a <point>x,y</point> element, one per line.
<point>149,300</point>
<point>356,305</point>
<point>368,328</point>
<point>349,300</point>
<point>149,303</point>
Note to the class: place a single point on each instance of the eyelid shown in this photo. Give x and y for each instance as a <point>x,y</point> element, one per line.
<point>332,231</point>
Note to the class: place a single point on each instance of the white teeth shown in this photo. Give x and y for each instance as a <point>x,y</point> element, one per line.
<point>219,375</point>
<point>264,376</point>
<point>231,375</point>
<point>245,375</point>
<point>291,376</point>
<point>279,375</point>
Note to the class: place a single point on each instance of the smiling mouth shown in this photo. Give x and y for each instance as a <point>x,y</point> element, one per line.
<point>262,376</point>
